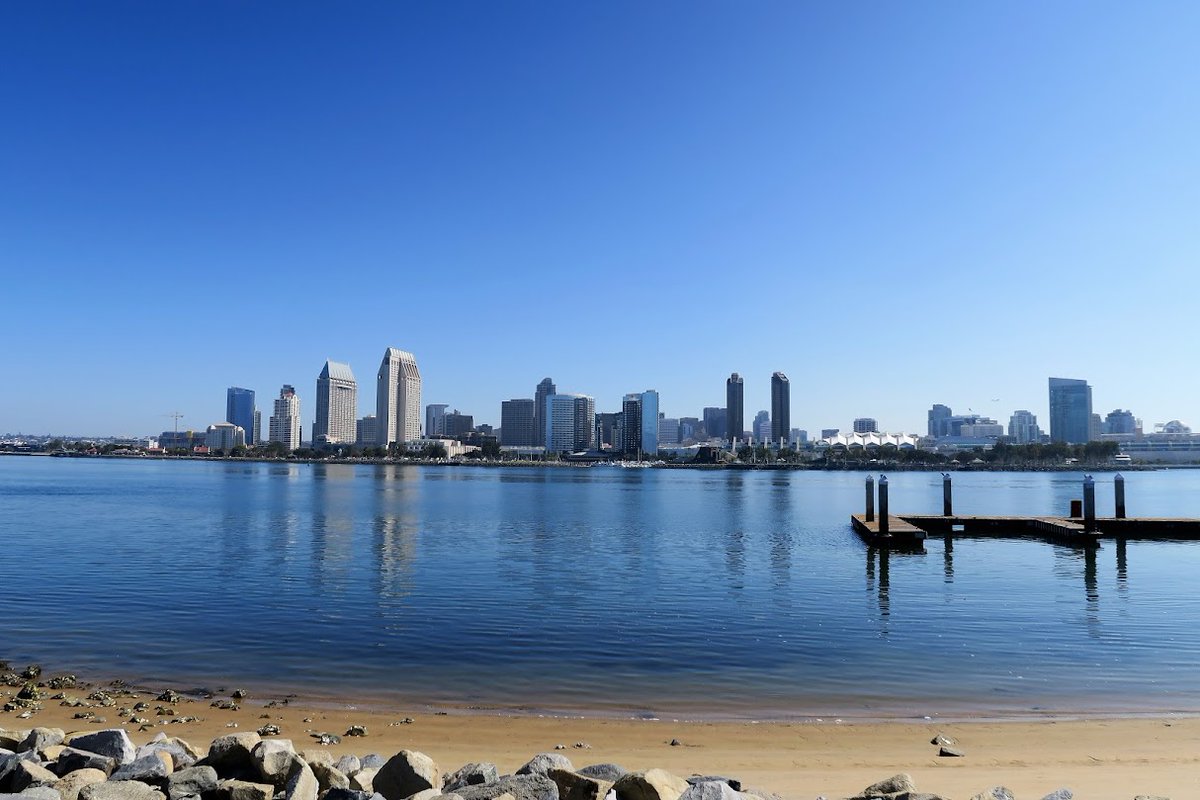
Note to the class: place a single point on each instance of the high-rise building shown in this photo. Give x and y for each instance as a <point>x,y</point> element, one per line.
<point>434,412</point>
<point>256,436</point>
<point>285,422</point>
<point>799,437</point>
<point>570,420</point>
<point>455,423</point>
<point>1120,422</point>
<point>240,410</point>
<point>714,423</point>
<point>516,423</point>
<point>690,430</point>
<point>543,390</point>
<point>224,436</point>
<point>398,398</point>
<point>606,423</point>
<point>668,431</point>
<point>366,435</point>
<point>1070,410</point>
<point>829,433</point>
<point>639,423</point>
<point>761,429</point>
<point>734,407</point>
<point>337,405</point>
<point>866,425</point>
<point>781,407</point>
<point>1023,427</point>
<point>939,417</point>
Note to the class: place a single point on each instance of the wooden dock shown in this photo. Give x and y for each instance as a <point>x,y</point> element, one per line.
<point>901,535</point>
<point>983,525</point>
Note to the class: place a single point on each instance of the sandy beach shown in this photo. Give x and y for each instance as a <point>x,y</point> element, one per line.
<point>1102,758</point>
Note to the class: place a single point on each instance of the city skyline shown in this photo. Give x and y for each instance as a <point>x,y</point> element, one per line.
<point>1012,206</point>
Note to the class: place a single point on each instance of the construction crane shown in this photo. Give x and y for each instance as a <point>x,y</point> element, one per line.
<point>175,415</point>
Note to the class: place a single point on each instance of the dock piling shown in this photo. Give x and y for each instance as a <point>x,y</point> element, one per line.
<point>1119,492</point>
<point>947,498</point>
<point>870,513</point>
<point>883,505</point>
<point>1089,503</point>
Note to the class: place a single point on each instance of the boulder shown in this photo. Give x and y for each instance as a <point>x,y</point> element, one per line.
<point>301,783</point>
<point>40,793</point>
<point>573,786</point>
<point>1151,797</point>
<point>183,755</point>
<point>890,788</point>
<point>950,752</point>
<point>364,780</point>
<point>11,740</point>
<point>606,772</point>
<point>329,776</point>
<point>114,743</point>
<point>347,794</point>
<point>51,752</point>
<point>709,790</point>
<point>40,738</point>
<point>120,790</point>
<point>152,769</point>
<point>69,786</point>
<point>273,758</point>
<point>653,784</point>
<point>542,763</point>
<point>405,774</point>
<point>373,761</point>
<point>315,757</point>
<point>995,793</point>
<point>233,754</point>
<point>29,773</point>
<point>191,781</point>
<point>519,787</point>
<point>71,759</point>
<point>733,783</point>
<point>244,790</point>
<point>1060,794</point>
<point>348,765</point>
<point>471,774</point>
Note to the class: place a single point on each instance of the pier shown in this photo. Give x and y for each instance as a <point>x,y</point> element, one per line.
<point>1081,526</point>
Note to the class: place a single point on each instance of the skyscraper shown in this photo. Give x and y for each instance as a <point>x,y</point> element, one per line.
<point>866,425</point>
<point>337,405</point>
<point>639,423</point>
<point>761,429</point>
<point>398,398</point>
<point>1023,427</point>
<point>239,409</point>
<point>570,421</point>
<point>544,390</point>
<point>939,420</point>
<point>366,435</point>
<point>1070,410</point>
<point>781,407</point>
<point>285,422</point>
<point>714,423</point>
<point>516,423</point>
<point>434,413</point>
<point>734,408</point>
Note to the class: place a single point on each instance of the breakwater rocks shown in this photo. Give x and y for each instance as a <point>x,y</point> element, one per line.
<point>49,764</point>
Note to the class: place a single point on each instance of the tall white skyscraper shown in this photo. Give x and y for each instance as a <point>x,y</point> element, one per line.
<point>398,398</point>
<point>337,405</point>
<point>570,422</point>
<point>285,422</point>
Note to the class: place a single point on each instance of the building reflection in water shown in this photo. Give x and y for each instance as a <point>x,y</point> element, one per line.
<point>782,520</point>
<point>396,509</point>
<point>735,537</point>
<point>332,516</point>
<point>948,559</point>
<point>878,581</point>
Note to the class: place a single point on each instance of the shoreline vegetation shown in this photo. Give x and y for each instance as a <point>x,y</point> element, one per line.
<point>1104,757</point>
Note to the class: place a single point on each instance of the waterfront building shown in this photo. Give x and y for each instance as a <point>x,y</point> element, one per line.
<point>434,413</point>
<point>366,434</point>
<point>984,429</point>
<point>516,423</point>
<point>570,422</point>
<point>285,422</point>
<point>690,430</point>
<point>606,424</point>
<point>181,440</point>
<point>240,410</point>
<point>649,403</point>
<point>1070,410</point>
<point>799,437</point>
<point>715,423</point>
<point>1023,428</point>
<point>224,436</point>
<point>939,420</point>
<point>668,432</point>
<point>781,407</point>
<point>760,431</point>
<point>256,436</point>
<point>397,398</point>
<point>639,423</point>
<point>866,425</point>
<point>337,405</point>
<point>455,424</point>
<point>734,407</point>
<point>543,390</point>
<point>829,433</point>
<point>1118,421</point>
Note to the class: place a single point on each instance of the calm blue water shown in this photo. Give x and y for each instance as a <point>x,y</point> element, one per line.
<point>603,590</point>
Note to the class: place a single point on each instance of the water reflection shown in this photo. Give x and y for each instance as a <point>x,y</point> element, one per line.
<point>332,510</point>
<point>395,501</point>
<point>1122,570</point>
<point>735,537</point>
<point>781,522</point>
<point>878,581</point>
<point>948,558</point>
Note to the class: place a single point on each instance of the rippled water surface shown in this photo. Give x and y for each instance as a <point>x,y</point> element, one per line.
<point>624,591</point>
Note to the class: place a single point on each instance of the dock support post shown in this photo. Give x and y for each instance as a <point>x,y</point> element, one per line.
<point>1089,503</point>
<point>947,497</point>
<point>883,505</point>
<point>1119,491</point>
<point>870,515</point>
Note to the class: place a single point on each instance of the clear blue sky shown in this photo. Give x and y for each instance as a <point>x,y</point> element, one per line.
<point>895,204</point>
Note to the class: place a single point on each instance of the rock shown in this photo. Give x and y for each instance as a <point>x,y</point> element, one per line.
<point>1059,794</point>
<point>152,769</point>
<point>941,740</point>
<point>113,742</point>
<point>233,754</point>
<point>518,787</point>
<point>327,738</point>
<point>542,763</point>
<point>891,787</point>
<point>315,757</point>
<point>675,743</point>
<point>39,793</point>
<point>471,774</point>
<point>29,773</point>
<point>273,758</point>
<point>995,793</point>
<point>40,738</point>
<point>1151,797</point>
<point>373,761</point>
<point>301,783</point>
<point>710,790</point>
<point>573,786</point>
<point>120,790</point>
<point>244,790</point>
<point>405,774</point>
<point>348,794</point>
<point>329,776</point>
<point>270,729</point>
<point>653,784</point>
<point>11,740</point>
<point>605,772</point>
<point>183,755</point>
<point>51,752</point>
<point>9,763</point>
<point>356,730</point>
<point>348,765</point>
<point>733,783</point>
<point>191,781</point>
<point>68,786</point>
<point>364,780</point>
<point>72,759</point>
<point>950,752</point>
